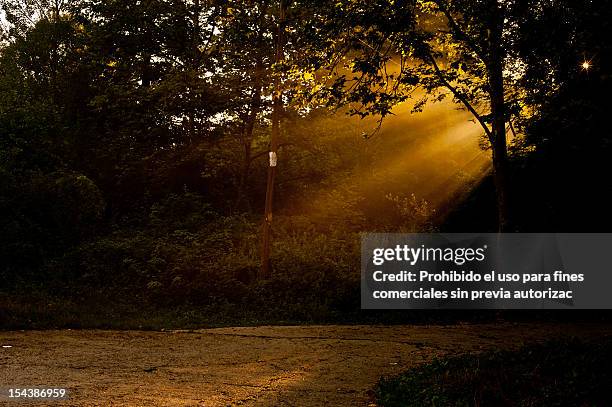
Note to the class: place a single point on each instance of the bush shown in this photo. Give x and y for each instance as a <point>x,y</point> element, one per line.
<point>558,373</point>
<point>186,255</point>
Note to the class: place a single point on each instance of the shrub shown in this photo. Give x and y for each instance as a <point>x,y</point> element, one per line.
<point>557,373</point>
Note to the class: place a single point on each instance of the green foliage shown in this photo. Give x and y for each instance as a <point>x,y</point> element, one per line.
<point>105,144</point>
<point>376,55</point>
<point>134,139</point>
<point>42,214</point>
<point>188,255</point>
<point>567,373</point>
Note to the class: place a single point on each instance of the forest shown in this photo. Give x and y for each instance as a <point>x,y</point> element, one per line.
<point>171,163</point>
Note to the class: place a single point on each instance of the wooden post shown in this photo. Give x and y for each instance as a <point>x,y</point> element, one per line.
<point>277,106</point>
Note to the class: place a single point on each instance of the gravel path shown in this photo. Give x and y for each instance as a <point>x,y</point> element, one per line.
<point>262,366</point>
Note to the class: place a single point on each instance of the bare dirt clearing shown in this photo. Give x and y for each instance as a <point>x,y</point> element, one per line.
<point>263,366</point>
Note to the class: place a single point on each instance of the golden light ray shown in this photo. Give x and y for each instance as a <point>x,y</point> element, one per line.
<point>434,155</point>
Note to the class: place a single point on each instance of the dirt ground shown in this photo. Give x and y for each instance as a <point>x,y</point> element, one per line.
<point>254,366</point>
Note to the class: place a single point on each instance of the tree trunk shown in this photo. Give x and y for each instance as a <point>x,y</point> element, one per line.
<point>276,115</point>
<point>244,174</point>
<point>498,111</point>
<point>247,134</point>
<point>195,57</point>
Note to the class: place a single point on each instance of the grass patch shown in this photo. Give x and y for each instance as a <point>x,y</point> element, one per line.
<point>557,373</point>
<point>108,309</point>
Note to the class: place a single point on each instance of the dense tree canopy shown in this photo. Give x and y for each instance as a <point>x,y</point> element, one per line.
<point>135,134</point>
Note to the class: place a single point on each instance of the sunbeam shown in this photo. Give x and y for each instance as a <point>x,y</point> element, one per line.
<point>434,156</point>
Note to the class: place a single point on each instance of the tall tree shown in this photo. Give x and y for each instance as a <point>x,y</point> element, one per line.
<point>247,59</point>
<point>382,53</point>
<point>254,66</point>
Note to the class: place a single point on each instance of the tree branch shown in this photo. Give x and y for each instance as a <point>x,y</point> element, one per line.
<point>458,30</point>
<point>460,97</point>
